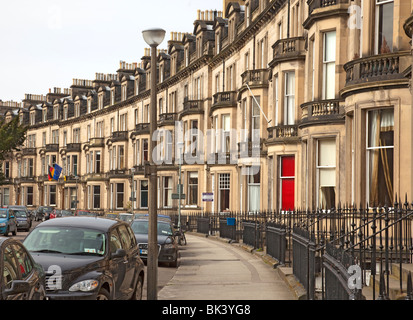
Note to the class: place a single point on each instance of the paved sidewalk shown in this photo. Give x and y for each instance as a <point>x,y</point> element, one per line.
<point>215,270</point>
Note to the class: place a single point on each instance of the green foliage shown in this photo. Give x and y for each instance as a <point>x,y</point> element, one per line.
<point>12,136</point>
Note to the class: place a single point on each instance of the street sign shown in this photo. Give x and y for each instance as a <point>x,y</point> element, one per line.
<point>180,187</point>
<point>207,196</point>
<point>175,196</point>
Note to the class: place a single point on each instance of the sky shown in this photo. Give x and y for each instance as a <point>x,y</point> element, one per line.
<point>46,43</point>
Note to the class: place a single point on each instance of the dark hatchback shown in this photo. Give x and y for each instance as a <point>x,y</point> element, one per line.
<point>87,258</point>
<point>21,278</point>
<point>168,247</point>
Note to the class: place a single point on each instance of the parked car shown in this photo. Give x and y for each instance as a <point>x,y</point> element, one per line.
<point>90,258</point>
<point>42,213</point>
<point>22,219</point>
<point>22,215</point>
<point>168,252</point>
<point>85,213</point>
<point>8,222</point>
<point>127,217</point>
<point>21,277</point>
<point>24,208</point>
<point>111,215</point>
<point>61,213</point>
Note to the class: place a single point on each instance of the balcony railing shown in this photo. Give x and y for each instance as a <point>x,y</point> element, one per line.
<point>73,147</point>
<point>320,112</point>
<point>288,49</point>
<point>283,133</point>
<point>166,119</point>
<point>29,151</point>
<point>258,77</point>
<point>377,68</point>
<point>119,136</point>
<point>141,128</point>
<point>192,107</point>
<point>224,99</point>
<point>96,142</point>
<point>316,4</point>
<point>53,147</point>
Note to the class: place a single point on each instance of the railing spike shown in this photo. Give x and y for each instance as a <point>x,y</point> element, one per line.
<point>382,290</point>
<point>409,295</point>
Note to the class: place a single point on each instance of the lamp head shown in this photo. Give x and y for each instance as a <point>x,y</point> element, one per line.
<point>153,37</point>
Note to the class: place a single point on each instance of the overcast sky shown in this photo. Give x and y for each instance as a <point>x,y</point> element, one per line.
<point>47,43</point>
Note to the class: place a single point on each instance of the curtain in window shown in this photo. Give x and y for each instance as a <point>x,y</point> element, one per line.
<point>254,192</point>
<point>327,173</point>
<point>381,125</point>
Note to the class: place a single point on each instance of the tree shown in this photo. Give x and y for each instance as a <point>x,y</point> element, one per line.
<point>12,136</point>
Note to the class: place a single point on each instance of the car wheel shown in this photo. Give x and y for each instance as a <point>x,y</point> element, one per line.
<point>137,294</point>
<point>103,294</point>
<point>6,233</point>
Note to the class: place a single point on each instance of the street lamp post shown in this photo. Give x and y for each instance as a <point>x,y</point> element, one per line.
<point>153,37</point>
<point>132,170</point>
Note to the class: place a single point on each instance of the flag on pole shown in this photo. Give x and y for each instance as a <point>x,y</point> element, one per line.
<point>51,173</point>
<point>54,172</point>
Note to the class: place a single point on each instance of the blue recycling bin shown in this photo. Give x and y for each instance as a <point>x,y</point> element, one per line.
<point>230,221</point>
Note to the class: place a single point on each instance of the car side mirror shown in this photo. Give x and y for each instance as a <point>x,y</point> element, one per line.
<point>18,286</point>
<point>119,253</point>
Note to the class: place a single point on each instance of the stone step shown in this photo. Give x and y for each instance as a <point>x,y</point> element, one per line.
<point>394,288</point>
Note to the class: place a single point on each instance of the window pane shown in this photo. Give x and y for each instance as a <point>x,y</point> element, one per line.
<point>385,27</point>
<point>380,156</point>
<point>330,46</point>
<point>327,152</point>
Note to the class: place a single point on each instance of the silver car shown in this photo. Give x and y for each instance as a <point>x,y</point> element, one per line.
<point>23,220</point>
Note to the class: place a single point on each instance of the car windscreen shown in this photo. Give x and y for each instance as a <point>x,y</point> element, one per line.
<point>66,240</point>
<point>142,227</point>
<point>20,214</point>
<point>3,214</point>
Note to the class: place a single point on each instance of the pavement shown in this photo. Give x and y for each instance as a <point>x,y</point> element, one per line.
<point>212,268</point>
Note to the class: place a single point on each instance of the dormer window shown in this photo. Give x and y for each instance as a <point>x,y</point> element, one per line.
<point>32,118</point>
<point>100,101</point>
<point>161,73</point>
<point>89,105</point>
<point>65,113</point>
<point>124,95</point>
<point>247,15</point>
<point>44,115</point>
<point>56,113</point>
<point>199,46</point>
<point>112,97</point>
<point>186,56</point>
<point>77,109</point>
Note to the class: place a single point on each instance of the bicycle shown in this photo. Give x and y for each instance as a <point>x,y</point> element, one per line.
<point>181,237</point>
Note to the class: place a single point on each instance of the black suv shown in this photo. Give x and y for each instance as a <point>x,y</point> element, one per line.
<point>87,258</point>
